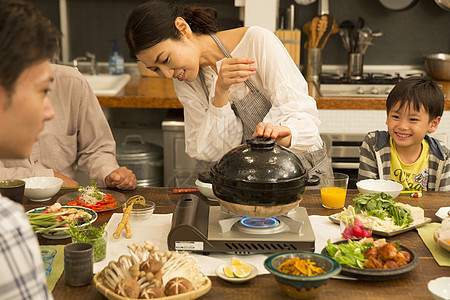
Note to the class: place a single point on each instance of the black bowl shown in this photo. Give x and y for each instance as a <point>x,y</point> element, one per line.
<point>378,275</point>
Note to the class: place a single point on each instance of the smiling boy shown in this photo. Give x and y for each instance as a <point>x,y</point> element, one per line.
<point>405,153</point>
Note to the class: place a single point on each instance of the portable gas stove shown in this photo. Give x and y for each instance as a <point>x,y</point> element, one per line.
<point>377,81</point>
<point>199,227</point>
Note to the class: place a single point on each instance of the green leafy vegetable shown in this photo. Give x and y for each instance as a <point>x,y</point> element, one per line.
<point>382,205</point>
<point>350,254</point>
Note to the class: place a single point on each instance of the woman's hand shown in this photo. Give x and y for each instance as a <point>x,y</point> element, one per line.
<point>233,70</point>
<point>282,134</point>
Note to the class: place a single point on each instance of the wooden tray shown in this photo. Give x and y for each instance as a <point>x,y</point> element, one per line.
<point>186,296</point>
<point>336,220</point>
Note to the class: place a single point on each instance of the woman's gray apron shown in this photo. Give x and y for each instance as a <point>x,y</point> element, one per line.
<point>254,107</point>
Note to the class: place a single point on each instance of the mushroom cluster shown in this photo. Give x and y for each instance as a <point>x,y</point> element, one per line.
<point>147,273</point>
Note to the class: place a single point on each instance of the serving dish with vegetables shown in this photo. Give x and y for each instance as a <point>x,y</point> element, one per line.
<point>385,216</point>
<point>91,197</point>
<point>370,259</point>
<point>54,221</point>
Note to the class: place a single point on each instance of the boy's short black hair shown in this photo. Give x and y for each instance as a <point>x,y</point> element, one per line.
<point>26,38</point>
<point>419,91</point>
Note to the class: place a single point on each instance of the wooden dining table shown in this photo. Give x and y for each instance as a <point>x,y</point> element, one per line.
<point>413,285</point>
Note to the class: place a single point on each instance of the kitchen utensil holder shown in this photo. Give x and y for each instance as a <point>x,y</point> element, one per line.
<point>313,64</point>
<point>355,65</point>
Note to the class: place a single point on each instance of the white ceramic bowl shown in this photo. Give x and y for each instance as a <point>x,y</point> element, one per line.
<point>206,189</point>
<point>369,186</point>
<point>42,188</point>
<point>440,288</point>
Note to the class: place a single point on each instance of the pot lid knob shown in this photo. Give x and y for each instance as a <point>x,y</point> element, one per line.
<point>261,142</point>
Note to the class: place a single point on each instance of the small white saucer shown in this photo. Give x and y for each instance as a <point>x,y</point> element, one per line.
<point>443,213</point>
<point>253,274</point>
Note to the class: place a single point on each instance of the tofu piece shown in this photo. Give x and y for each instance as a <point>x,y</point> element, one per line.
<point>446,224</point>
<point>417,213</point>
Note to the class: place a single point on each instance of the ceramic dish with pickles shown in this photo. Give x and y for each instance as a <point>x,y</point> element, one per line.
<point>53,221</point>
<point>381,213</point>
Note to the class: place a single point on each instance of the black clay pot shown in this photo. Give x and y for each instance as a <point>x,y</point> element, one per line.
<point>260,179</point>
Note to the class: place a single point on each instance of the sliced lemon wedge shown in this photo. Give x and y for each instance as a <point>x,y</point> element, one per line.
<point>235,262</point>
<point>228,271</point>
<point>241,271</point>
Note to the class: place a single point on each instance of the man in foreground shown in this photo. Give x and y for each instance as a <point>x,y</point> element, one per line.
<point>27,41</point>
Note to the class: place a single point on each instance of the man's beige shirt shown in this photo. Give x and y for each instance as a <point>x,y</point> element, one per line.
<point>77,137</point>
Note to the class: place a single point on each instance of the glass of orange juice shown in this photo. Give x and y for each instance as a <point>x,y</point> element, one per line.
<point>333,191</point>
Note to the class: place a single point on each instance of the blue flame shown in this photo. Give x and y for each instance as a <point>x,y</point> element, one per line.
<point>259,223</point>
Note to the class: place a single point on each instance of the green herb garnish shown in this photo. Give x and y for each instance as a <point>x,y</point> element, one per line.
<point>92,235</point>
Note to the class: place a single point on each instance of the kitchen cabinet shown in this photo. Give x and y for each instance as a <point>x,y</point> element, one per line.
<point>155,92</point>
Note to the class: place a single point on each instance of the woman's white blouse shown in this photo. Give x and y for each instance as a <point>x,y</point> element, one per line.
<point>212,131</point>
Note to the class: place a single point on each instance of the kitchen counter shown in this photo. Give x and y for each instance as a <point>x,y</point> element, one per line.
<point>411,286</point>
<point>155,92</point>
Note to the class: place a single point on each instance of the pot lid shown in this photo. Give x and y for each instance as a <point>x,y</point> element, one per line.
<point>134,146</point>
<point>260,160</point>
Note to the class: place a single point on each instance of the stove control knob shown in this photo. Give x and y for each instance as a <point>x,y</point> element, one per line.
<point>374,90</point>
<point>359,90</point>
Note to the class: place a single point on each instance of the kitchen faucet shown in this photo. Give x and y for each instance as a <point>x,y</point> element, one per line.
<point>89,55</point>
<point>93,62</point>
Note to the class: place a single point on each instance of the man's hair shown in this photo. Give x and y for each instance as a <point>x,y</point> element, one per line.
<point>418,91</point>
<point>26,38</point>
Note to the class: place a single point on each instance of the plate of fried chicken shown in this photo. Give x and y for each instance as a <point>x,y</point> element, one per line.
<point>385,260</point>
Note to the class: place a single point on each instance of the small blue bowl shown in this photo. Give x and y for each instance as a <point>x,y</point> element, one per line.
<point>302,287</point>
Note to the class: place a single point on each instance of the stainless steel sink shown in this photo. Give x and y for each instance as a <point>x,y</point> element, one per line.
<point>107,85</point>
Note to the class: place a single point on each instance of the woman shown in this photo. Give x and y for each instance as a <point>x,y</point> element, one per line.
<point>232,84</point>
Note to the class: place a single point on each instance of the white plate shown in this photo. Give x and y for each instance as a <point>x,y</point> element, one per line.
<point>443,213</point>
<point>60,233</point>
<point>335,219</point>
<point>253,274</point>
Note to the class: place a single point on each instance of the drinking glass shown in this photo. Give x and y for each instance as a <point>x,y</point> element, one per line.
<point>333,191</point>
<point>48,255</point>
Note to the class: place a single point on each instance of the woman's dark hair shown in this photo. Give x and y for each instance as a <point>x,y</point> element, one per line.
<point>419,91</point>
<point>154,21</point>
<point>26,38</point>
